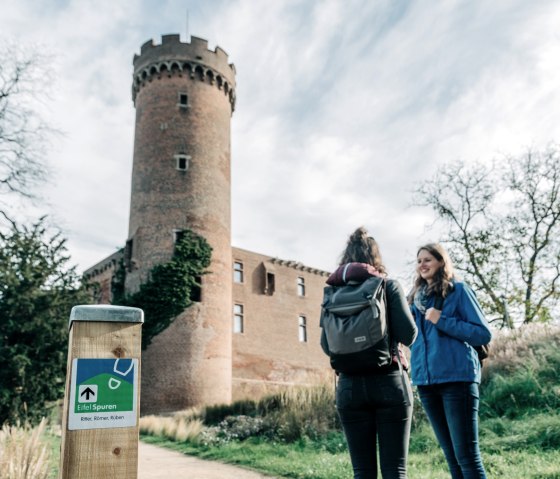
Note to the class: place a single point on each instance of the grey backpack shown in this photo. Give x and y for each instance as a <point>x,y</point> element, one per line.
<point>355,330</point>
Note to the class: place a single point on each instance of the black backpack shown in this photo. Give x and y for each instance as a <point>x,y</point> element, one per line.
<point>482,351</point>
<point>355,329</point>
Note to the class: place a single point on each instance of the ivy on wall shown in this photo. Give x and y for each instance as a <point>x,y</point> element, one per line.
<point>171,287</point>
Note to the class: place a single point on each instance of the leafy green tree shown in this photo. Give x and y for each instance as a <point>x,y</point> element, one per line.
<point>503,230</point>
<point>171,287</point>
<point>37,291</point>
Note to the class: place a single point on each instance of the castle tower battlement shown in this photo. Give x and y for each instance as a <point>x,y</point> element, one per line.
<point>194,60</point>
<point>184,96</point>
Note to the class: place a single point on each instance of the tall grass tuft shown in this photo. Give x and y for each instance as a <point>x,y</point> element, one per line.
<point>183,426</point>
<point>523,372</point>
<point>306,412</point>
<point>22,453</point>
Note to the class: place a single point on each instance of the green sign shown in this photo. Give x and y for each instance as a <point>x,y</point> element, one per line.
<point>103,393</point>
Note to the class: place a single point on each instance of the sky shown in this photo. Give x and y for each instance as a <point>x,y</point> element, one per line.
<point>343,108</point>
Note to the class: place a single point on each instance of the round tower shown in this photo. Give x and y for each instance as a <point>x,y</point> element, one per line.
<point>184,96</point>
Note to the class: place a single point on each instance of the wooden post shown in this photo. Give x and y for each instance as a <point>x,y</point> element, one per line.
<point>102,399</point>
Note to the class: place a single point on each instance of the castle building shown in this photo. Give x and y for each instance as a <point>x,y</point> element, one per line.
<point>255,326</point>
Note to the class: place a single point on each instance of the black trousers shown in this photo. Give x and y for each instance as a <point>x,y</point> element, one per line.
<point>376,409</point>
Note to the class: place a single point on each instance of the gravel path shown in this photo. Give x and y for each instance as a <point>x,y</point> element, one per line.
<point>160,463</point>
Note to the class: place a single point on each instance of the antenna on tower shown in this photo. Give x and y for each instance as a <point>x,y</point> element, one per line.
<point>187,39</point>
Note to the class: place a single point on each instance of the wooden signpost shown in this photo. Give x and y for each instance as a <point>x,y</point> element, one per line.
<point>102,399</point>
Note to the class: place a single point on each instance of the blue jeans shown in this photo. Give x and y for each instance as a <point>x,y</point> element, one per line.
<point>452,409</point>
<point>376,408</point>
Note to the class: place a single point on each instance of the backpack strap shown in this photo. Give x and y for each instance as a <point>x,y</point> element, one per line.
<point>393,345</point>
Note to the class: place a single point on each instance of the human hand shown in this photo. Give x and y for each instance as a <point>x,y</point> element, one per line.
<point>433,315</point>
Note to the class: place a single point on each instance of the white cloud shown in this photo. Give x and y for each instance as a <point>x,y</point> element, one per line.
<point>342,108</point>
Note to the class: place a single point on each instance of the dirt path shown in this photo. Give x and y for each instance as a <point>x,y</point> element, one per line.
<point>159,463</point>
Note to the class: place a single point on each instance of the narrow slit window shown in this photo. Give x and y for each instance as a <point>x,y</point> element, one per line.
<point>302,329</point>
<point>128,255</point>
<point>270,284</point>
<point>238,319</point>
<point>196,290</point>
<point>301,286</point>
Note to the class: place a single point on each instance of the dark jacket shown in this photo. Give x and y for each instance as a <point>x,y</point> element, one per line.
<point>444,352</point>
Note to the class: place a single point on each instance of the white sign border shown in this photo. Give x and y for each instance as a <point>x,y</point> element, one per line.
<point>101,420</point>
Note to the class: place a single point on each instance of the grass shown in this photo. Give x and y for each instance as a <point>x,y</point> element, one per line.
<point>24,452</point>
<point>295,434</point>
<point>306,459</point>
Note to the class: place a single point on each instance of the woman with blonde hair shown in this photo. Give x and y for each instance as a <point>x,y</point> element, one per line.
<point>444,364</point>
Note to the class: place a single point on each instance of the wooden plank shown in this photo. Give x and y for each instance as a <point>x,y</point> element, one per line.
<point>100,453</point>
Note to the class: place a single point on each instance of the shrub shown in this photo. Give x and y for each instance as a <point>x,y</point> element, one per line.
<point>523,373</point>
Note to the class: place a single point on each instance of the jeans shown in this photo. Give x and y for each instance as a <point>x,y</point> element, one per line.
<point>376,408</point>
<point>452,409</point>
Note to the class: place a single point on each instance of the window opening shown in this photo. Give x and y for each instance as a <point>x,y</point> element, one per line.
<point>238,318</point>
<point>128,255</point>
<point>182,162</point>
<point>196,290</point>
<point>238,272</point>
<point>302,329</point>
<point>301,286</point>
<point>270,284</point>
<point>183,100</point>
<point>178,235</point>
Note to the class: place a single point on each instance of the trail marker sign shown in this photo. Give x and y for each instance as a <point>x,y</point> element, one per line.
<point>103,393</point>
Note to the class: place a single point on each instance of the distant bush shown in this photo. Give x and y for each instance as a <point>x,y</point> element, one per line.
<point>523,373</point>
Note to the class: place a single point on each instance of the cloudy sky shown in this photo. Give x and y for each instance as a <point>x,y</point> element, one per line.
<point>342,107</point>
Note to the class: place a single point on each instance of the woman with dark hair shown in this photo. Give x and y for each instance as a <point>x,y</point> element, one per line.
<point>444,364</point>
<point>376,405</point>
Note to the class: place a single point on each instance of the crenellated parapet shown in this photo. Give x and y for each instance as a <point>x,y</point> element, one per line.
<point>193,60</point>
<point>298,266</point>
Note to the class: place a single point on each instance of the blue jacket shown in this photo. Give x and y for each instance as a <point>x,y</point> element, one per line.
<point>443,352</point>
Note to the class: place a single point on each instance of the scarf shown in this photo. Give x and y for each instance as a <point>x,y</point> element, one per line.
<point>421,298</point>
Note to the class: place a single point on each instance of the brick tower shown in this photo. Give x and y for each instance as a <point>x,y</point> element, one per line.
<point>184,96</point>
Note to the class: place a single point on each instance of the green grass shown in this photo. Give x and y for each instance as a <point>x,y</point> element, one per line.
<point>295,434</point>
<point>299,460</point>
<point>505,456</point>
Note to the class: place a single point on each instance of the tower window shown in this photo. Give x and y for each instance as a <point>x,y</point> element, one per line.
<point>183,100</point>
<point>196,290</point>
<point>270,284</point>
<point>178,235</point>
<point>128,255</point>
<point>238,318</point>
<point>182,162</point>
<point>302,329</point>
<point>238,272</point>
<point>301,286</point>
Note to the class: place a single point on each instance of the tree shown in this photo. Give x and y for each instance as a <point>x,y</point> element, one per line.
<point>24,135</point>
<point>171,287</point>
<point>503,230</point>
<point>37,292</point>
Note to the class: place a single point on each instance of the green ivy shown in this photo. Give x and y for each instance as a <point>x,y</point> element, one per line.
<point>170,286</point>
